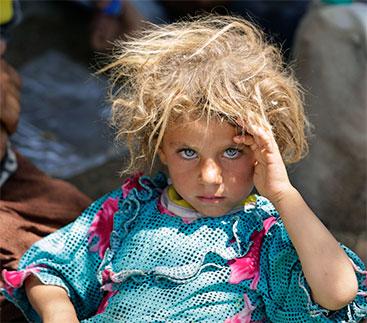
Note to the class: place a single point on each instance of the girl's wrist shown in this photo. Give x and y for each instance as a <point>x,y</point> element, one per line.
<point>285,197</point>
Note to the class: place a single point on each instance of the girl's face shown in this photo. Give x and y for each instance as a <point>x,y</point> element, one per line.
<point>207,169</point>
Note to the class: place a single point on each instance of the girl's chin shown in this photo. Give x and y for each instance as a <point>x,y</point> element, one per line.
<point>212,212</point>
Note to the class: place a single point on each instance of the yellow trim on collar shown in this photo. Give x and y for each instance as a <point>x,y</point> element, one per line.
<point>177,199</point>
<point>249,199</point>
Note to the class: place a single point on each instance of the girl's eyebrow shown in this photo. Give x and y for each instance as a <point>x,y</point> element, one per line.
<point>178,143</point>
<point>182,144</point>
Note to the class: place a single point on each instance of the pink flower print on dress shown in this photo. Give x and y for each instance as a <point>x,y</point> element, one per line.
<point>104,303</point>
<point>107,281</point>
<point>248,267</point>
<point>15,279</point>
<point>245,315</point>
<point>102,226</point>
<point>130,183</point>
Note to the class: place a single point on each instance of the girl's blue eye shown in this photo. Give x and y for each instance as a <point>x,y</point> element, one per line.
<point>231,153</point>
<point>188,153</point>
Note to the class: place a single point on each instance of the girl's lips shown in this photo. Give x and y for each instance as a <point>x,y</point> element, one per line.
<point>211,198</point>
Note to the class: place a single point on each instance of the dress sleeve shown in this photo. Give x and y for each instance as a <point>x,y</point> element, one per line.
<point>69,258</point>
<point>284,289</point>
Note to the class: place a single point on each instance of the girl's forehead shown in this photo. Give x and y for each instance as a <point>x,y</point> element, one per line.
<point>203,126</point>
<point>200,125</point>
<point>200,132</point>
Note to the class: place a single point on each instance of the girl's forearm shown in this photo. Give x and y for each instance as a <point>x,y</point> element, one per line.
<point>51,302</point>
<point>327,268</point>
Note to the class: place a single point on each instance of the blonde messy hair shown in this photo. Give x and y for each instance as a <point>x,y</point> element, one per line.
<point>207,66</point>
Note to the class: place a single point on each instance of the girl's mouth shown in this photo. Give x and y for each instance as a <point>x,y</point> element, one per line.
<point>210,198</point>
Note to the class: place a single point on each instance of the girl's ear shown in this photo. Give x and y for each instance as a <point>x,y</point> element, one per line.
<point>162,156</point>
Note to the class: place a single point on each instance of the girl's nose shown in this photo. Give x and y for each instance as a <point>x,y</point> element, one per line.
<point>211,172</point>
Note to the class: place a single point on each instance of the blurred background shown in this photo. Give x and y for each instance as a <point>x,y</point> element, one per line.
<point>56,46</point>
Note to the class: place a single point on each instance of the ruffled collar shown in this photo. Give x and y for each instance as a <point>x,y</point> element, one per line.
<point>239,225</point>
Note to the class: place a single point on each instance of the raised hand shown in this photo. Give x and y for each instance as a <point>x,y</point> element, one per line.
<point>270,175</point>
<point>335,285</point>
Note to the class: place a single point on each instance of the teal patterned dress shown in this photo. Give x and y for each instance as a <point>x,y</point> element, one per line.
<point>129,258</point>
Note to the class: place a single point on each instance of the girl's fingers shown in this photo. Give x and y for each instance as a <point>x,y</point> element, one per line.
<point>257,137</point>
<point>264,145</point>
<point>264,138</point>
<point>241,123</point>
<point>244,139</point>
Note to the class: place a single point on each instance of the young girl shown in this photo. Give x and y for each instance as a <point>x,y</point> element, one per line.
<point>213,102</point>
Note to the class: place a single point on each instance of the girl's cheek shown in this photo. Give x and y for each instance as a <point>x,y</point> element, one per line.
<point>240,166</point>
<point>179,165</point>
